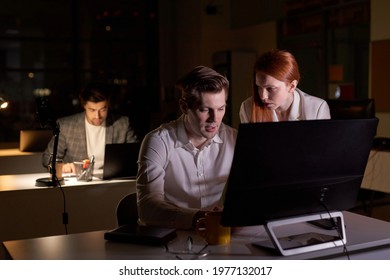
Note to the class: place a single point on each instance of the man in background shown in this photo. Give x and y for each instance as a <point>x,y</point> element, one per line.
<point>85,134</point>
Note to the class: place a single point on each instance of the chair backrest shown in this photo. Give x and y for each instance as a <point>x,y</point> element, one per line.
<point>126,210</point>
<point>351,109</point>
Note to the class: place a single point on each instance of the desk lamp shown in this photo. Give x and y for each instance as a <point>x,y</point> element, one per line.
<point>46,119</point>
<point>3,102</point>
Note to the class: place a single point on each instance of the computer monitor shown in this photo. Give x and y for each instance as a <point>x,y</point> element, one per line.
<point>289,169</point>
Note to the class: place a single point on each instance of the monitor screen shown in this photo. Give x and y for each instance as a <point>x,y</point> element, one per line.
<point>286,169</point>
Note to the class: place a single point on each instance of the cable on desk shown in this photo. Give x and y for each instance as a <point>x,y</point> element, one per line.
<point>65,218</point>
<point>338,230</point>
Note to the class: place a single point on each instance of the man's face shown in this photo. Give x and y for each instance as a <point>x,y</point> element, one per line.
<point>96,113</point>
<point>203,122</point>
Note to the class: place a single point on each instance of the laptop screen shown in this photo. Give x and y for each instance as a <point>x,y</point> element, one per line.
<point>120,161</point>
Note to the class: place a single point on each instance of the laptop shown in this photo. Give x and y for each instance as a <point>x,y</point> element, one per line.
<point>120,161</point>
<point>34,140</point>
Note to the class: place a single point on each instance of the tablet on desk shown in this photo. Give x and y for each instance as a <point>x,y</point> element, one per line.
<point>141,234</point>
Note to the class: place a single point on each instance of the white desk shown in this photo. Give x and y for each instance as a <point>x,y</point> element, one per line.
<point>377,174</point>
<point>367,238</point>
<point>27,211</point>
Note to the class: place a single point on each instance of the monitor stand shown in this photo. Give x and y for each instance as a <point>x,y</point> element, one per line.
<point>307,241</point>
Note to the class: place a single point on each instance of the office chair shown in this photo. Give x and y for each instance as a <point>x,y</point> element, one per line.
<point>126,211</point>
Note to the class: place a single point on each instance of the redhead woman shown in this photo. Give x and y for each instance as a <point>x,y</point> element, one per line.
<point>275,94</point>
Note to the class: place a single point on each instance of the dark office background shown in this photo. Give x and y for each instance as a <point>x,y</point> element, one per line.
<point>53,48</point>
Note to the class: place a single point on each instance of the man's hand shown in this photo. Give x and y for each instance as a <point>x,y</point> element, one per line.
<point>197,216</point>
<point>68,168</point>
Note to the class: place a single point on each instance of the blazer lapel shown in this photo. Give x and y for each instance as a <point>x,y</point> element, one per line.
<point>83,135</point>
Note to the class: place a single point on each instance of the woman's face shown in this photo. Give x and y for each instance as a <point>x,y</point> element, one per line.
<point>275,94</point>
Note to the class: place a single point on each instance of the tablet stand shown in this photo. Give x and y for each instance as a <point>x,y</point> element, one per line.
<point>308,241</point>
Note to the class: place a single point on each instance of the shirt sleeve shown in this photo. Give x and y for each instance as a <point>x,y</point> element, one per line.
<point>153,209</point>
<point>323,111</point>
<point>130,134</point>
<point>61,148</point>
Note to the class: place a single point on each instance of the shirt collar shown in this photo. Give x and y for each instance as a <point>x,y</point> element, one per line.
<point>295,113</point>
<point>182,138</point>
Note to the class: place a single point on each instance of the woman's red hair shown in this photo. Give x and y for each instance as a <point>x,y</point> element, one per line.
<point>276,63</point>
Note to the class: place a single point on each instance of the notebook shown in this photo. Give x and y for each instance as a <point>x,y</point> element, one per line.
<point>141,234</point>
<point>34,140</point>
<point>120,161</point>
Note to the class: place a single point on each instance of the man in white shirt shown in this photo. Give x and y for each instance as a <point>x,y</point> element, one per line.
<point>184,164</point>
<point>85,134</point>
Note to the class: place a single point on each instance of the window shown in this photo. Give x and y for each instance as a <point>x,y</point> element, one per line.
<point>56,47</point>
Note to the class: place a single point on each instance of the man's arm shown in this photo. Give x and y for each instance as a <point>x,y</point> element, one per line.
<point>46,154</point>
<point>153,209</point>
<point>71,141</point>
<point>120,130</point>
